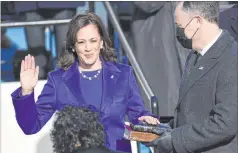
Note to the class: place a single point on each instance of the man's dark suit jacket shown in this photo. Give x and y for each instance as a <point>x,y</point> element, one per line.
<point>206,115</point>
<point>229,20</point>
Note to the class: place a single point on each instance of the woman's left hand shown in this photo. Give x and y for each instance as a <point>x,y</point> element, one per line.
<point>149,120</point>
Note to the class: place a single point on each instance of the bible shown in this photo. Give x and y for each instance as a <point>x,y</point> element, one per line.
<point>141,136</point>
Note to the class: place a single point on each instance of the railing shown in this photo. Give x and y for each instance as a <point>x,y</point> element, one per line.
<point>150,95</point>
<point>34,23</point>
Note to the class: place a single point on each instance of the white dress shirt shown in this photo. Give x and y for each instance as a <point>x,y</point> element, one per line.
<point>209,45</point>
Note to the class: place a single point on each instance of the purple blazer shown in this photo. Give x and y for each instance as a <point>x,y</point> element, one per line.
<point>121,97</point>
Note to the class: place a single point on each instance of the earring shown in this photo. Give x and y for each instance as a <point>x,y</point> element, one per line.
<point>73,50</point>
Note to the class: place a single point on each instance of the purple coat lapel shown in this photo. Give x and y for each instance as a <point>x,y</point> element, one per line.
<point>71,77</point>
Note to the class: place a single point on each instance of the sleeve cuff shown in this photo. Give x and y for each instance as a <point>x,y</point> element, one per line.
<point>171,123</point>
<point>20,102</point>
<point>177,140</point>
<point>16,95</point>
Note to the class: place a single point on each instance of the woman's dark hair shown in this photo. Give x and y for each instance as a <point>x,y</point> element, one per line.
<point>79,21</point>
<point>77,128</point>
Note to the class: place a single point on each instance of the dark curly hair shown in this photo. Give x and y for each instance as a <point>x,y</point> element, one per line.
<point>77,128</point>
<point>79,21</point>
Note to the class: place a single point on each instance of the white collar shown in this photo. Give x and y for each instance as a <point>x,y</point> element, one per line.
<point>209,45</point>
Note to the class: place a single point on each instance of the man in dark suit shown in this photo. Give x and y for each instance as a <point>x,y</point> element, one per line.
<point>206,115</point>
<point>229,21</point>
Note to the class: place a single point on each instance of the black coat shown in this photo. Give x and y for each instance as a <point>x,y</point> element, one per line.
<point>229,20</point>
<point>159,54</point>
<point>206,115</point>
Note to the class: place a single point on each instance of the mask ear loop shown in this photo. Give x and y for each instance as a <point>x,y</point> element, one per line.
<point>188,24</point>
<point>195,33</point>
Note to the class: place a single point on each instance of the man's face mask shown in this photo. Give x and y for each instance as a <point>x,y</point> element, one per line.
<point>183,40</point>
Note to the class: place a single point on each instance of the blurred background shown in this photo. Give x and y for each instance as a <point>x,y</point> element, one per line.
<point>39,28</point>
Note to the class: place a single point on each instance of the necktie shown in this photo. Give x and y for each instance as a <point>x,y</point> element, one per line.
<point>191,61</point>
<point>198,57</point>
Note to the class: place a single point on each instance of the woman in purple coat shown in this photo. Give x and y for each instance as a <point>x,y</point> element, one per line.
<point>87,76</point>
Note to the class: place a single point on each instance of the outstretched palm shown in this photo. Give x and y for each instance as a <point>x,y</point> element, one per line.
<point>29,74</point>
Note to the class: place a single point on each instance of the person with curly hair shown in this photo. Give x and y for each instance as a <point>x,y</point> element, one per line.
<point>78,130</point>
<point>88,75</point>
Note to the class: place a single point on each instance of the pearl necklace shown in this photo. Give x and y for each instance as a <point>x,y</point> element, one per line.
<point>90,78</point>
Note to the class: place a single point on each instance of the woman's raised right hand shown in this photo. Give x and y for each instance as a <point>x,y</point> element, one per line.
<point>28,75</point>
